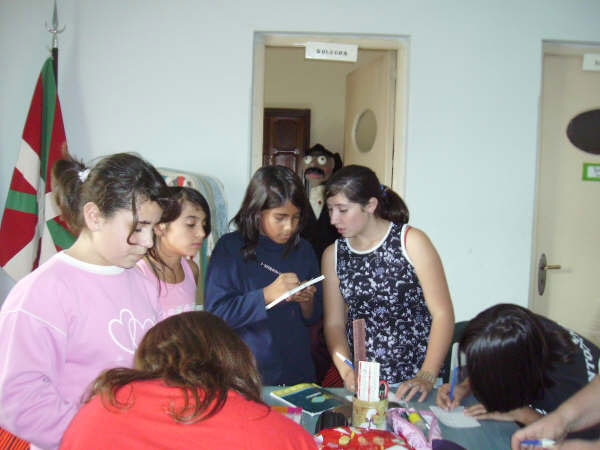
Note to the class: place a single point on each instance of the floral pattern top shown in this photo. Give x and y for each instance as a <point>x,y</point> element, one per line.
<point>381,286</point>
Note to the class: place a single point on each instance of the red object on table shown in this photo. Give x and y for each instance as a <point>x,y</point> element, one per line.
<point>9,441</point>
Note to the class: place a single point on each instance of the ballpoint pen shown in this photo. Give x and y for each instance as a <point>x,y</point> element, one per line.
<point>453,383</point>
<point>346,360</point>
<point>544,443</point>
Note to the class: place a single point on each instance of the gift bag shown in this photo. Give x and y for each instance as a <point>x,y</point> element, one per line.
<point>351,438</point>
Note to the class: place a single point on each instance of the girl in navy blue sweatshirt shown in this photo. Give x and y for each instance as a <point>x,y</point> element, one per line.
<point>254,265</point>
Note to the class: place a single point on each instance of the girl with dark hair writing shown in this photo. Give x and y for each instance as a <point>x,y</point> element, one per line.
<point>253,266</point>
<point>520,365</point>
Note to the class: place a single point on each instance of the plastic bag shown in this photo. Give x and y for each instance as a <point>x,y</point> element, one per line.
<point>415,437</point>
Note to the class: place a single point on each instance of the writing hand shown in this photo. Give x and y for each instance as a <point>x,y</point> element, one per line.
<point>305,295</point>
<point>282,284</point>
<point>442,398</point>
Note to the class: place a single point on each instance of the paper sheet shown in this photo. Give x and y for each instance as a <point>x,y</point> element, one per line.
<point>293,291</point>
<point>455,418</point>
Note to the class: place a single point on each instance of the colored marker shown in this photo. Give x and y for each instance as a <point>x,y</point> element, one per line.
<point>454,372</point>
<point>545,443</point>
<point>343,358</point>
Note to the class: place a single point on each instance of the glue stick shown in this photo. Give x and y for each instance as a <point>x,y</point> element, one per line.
<point>415,418</point>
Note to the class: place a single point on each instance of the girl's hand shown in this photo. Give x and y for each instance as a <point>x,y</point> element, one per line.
<point>525,414</point>
<point>282,284</point>
<point>349,381</point>
<point>442,398</point>
<point>553,426</point>
<point>479,411</point>
<point>407,390</point>
<point>305,295</point>
<point>578,444</point>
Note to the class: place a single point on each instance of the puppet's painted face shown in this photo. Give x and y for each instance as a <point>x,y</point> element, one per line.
<point>317,168</point>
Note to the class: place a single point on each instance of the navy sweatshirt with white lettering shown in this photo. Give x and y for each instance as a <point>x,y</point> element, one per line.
<point>278,337</point>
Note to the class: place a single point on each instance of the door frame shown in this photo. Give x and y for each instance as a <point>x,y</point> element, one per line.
<point>562,48</point>
<point>372,42</point>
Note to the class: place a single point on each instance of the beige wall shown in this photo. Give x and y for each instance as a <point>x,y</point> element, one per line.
<point>291,81</point>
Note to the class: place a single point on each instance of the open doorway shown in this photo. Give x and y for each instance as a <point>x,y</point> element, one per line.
<point>282,77</point>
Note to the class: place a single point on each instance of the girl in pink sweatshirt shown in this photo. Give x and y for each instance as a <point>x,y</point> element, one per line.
<point>85,309</point>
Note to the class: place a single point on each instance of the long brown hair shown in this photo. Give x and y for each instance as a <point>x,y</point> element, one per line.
<point>118,181</point>
<point>195,351</point>
<point>178,195</point>
<point>270,187</point>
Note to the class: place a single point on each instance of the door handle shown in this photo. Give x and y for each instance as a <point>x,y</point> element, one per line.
<point>543,266</point>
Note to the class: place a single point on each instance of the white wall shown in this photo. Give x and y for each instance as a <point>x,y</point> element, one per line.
<point>172,80</point>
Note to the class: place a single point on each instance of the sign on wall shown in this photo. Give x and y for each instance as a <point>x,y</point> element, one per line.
<point>331,51</point>
<point>591,172</point>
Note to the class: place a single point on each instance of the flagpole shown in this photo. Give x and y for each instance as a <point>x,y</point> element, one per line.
<point>54,30</point>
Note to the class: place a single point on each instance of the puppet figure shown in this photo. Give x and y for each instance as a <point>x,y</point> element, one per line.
<point>317,166</point>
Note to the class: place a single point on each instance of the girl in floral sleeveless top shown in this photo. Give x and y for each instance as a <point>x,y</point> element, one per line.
<point>390,275</point>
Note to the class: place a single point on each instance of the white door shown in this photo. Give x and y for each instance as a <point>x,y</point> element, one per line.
<point>369,117</point>
<point>567,222</point>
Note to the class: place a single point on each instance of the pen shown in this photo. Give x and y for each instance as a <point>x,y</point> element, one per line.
<point>269,268</point>
<point>539,442</point>
<point>454,372</point>
<point>343,358</point>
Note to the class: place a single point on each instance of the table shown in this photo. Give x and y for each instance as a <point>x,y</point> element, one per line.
<point>490,435</point>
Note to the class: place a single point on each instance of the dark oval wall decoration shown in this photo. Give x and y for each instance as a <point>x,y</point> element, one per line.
<point>584,131</point>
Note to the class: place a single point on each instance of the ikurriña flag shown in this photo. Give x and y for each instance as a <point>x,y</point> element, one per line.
<point>32,229</point>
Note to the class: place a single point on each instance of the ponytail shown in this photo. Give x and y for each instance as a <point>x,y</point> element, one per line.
<point>391,207</point>
<point>68,176</point>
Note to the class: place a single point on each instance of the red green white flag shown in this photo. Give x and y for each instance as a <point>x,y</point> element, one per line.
<point>32,230</point>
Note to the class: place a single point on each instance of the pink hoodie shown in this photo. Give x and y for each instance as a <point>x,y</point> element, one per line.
<point>61,326</point>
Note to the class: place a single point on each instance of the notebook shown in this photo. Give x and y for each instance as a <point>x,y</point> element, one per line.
<point>312,398</point>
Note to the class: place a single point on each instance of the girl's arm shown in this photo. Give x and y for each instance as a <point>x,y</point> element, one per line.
<point>335,317</point>
<point>432,279</point>
<point>34,352</point>
<point>225,294</point>
<point>310,299</point>
<point>577,413</point>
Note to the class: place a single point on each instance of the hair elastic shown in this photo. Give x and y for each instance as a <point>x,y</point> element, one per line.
<point>83,174</point>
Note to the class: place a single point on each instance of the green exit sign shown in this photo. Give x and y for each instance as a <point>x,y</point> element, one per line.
<point>591,171</point>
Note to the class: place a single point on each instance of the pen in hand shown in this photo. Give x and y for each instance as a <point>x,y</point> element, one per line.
<point>545,443</point>
<point>453,383</point>
<point>346,360</point>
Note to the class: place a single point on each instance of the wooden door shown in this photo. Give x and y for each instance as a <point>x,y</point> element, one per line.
<point>286,136</point>
<point>369,116</point>
<point>567,221</point>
